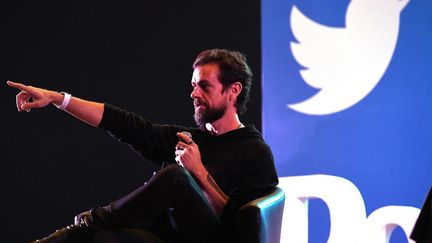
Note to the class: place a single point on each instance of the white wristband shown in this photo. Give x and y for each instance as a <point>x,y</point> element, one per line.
<point>65,101</point>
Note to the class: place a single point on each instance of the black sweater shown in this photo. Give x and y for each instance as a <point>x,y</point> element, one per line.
<point>239,161</point>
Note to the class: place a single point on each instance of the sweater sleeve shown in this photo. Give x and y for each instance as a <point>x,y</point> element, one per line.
<point>254,179</point>
<point>152,141</point>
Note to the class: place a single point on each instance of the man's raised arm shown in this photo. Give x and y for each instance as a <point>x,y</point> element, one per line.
<point>32,97</point>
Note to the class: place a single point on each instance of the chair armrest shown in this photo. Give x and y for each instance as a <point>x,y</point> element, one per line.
<point>260,220</point>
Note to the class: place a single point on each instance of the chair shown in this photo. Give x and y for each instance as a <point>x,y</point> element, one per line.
<point>260,220</point>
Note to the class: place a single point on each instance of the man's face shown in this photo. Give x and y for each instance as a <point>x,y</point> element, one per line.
<point>210,100</point>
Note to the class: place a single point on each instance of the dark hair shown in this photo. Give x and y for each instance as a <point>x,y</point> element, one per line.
<point>232,68</point>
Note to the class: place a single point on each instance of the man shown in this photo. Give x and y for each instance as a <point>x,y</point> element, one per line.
<point>212,170</point>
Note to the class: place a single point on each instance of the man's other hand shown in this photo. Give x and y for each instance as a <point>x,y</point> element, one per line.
<point>188,154</point>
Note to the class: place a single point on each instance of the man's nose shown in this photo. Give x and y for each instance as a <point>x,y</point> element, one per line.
<point>195,93</point>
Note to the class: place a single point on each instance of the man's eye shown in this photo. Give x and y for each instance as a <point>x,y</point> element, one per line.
<point>205,88</point>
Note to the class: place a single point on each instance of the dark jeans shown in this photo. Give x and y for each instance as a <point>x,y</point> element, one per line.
<point>170,205</point>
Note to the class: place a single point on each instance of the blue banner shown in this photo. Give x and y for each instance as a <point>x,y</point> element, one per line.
<point>347,110</point>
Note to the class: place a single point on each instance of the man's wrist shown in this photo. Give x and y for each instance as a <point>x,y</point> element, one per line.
<point>202,175</point>
<point>61,100</point>
<point>56,98</point>
<point>66,99</point>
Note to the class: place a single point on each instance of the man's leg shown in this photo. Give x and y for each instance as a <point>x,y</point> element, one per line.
<point>171,191</point>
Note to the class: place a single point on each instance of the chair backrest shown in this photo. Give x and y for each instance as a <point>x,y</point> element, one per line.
<point>260,220</point>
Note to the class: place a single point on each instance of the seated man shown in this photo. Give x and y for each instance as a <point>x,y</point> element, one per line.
<point>211,171</point>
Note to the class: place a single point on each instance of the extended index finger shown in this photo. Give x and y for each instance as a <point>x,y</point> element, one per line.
<point>19,86</point>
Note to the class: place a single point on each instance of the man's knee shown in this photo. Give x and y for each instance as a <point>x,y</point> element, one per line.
<point>178,177</point>
<point>176,172</point>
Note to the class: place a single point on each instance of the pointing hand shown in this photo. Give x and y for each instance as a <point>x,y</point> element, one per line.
<point>40,97</point>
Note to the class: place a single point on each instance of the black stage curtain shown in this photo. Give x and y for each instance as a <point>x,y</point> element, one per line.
<point>133,54</point>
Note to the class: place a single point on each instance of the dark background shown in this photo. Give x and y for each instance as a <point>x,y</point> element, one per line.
<point>133,54</point>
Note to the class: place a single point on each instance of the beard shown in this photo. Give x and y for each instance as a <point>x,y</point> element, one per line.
<point>209,115</point>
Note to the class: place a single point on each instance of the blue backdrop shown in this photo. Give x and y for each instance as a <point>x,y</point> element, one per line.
<point>347,91</point>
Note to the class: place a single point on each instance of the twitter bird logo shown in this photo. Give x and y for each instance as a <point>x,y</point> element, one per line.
<point>345,64</point>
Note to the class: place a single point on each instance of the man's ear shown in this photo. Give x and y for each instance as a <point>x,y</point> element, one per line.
<point>235,89</point>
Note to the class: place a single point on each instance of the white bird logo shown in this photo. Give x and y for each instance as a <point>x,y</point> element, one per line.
<point>345,64</point>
